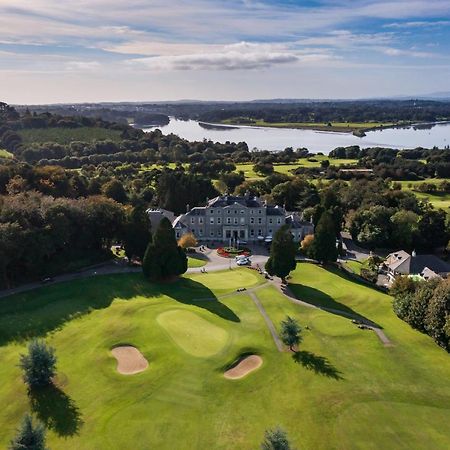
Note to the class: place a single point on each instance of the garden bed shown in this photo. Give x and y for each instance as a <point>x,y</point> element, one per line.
<point>231,252</point>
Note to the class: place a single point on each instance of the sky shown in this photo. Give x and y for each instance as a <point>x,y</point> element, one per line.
<point>62,51</point>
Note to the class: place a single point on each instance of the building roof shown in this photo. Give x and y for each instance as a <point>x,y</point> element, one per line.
<point>396,259</point>
<point>275,211</point>
<point>197,211</point>
<point>421,262</point>
<point>227,200</point>
<point>295,222</point>
<point>177,223</point>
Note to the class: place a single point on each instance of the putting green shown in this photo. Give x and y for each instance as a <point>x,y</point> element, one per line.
<point>192,333</point>
<point>224,280</point>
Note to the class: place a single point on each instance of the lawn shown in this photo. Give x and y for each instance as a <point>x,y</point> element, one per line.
<point>249,173</point>
<point>195,262</point>
<point>437,200</point>
<point>67,135</point>
<point>344,390</point>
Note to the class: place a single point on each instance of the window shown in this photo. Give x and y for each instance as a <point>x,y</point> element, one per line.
<point>228,233</point>
<point>212,211</point>
<point>211,220</point>
<point>219,221</point>
<point>228,220</point>
<point>252,233</point>
<point>270,231</point>
<point>242,234</point>
<point>228,211</point>
<point>200,220</point>
<point>200,232</point>
<point>259,211</point>
<point>252,220</point>
<point>212,233</point>
<point>260,220</point>
<point>270,220</point>
<point>242,220</point>
<point>279,220</point>
<point>259,232</point>
<point>235,220</point>
<point>242,211</point>
<point>192,219</point>
<point>219,233</point>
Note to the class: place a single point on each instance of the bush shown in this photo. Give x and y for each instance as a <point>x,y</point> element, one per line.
<point>29,436</point>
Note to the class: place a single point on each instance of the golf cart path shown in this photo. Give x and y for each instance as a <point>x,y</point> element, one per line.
<point>291,297</point>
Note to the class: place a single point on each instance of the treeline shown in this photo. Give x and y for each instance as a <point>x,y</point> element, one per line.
<point>425,305</point>
<point>382,111</point>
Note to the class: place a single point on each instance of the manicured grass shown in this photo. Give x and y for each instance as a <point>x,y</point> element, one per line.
<point>195,262</point>
<point>437,200</point>
<point>344,390</point>
<point>68,135</point>
<point>5,154</point>
<point>249,173</point>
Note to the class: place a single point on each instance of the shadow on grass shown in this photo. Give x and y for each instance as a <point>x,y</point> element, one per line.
<point>324,301</point>
<point>56,410</point>
<point>318,364</point>
<point>38,312</point>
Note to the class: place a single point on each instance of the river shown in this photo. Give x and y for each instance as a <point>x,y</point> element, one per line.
<point>274,139</point>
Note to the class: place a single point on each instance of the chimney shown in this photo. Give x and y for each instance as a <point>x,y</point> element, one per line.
<point>188,208</point>
<point>247,194</point>
<point>413,254</point>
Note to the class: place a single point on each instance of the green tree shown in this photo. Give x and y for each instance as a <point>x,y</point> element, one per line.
<point>276,439</point>
<point>137,234</point>
<point>114,189</point>
<point>282,254</point>
<point>163,258</point>
<point>324,245</point>
<point>437,314</point>
<point>405,226</point>
<point>39,365</point>
<point>290,332</point>
<point>29,436</point>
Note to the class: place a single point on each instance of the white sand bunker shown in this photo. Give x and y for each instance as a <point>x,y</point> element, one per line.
<point>129,360</point>
<point>244,367</point>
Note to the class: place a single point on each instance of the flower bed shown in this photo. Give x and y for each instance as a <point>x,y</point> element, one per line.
<point>231,252</point>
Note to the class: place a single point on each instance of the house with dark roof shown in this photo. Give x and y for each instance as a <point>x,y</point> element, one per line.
<point>423,266</point>
<point>245,218</point>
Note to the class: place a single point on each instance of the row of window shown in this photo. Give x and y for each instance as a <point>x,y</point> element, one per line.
<point>212,220</point>
<point>229,211</point>
<point>228,233</point>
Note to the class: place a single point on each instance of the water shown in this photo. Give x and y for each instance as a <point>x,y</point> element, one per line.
<point>274,139</point>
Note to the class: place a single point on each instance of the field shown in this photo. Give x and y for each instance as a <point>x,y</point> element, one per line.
<point>195,262</point>
<point>286,168</point>
<point>437,200</point>
<point>335,126</point>
<point>342,390</point>
<point>68,135</point>
<point>5,154</point>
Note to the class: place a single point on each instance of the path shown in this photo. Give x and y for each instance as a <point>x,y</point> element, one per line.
<point>269,322</point>
<point>291,297</point>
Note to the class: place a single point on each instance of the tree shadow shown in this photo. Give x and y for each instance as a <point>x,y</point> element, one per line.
<point>190,292</point>
<point>327,303</point>
<point>56,410</point>
<point>318,364</point>
<point>34,314</point>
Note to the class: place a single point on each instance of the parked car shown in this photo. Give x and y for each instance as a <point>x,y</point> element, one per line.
<point>243,262</point>
<point>47,280</point>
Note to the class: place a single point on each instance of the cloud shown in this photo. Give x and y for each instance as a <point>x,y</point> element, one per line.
<point>402,52</point>
<point>418,24</point>
<point>82,66</point>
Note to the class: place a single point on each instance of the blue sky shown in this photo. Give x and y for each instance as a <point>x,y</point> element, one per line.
<point>141,50</point>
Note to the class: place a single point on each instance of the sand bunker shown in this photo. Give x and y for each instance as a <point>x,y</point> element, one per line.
<point>244,367</point>
<point>129,360</point>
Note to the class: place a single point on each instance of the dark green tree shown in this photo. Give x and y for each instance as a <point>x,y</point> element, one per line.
<point>39,365</point>
<point>437,314</point>
<point>290,332</point>
<point>114,189</point>
<point>276,439</point>
<point>136,233</point>
<point>163,258</point>
<point>282,254</point>
<point>29,436</point>
<point>324,245</point>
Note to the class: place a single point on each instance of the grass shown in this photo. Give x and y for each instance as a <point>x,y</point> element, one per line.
<point>334,126</point>
<point>195,262</point>
<point>5,154</point>
<point>343,390</point>
<point>439,200</point>
<point>249,173</point>
<point>67,135</point>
